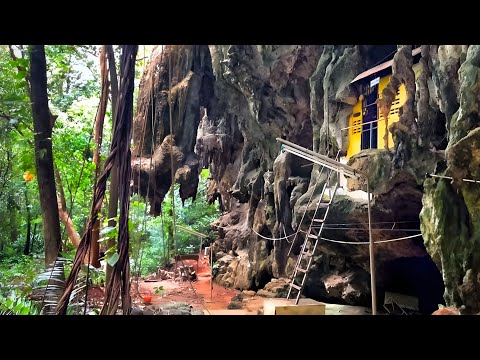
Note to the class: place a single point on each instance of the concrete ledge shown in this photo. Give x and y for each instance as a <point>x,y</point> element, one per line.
<point>288,307</point>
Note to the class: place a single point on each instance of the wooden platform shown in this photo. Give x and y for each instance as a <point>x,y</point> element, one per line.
<point>288,307</point>
<point>278,306</point>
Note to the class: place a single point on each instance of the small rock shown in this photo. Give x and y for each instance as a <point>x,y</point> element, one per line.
<point>238,297</point>
<point>136,311</point>
<point>219,255</point>
<point>177,312</point>
<point>279,291</point>
<point>197,312</point>
<point>225,259</point>
<point>249,293</point>
<point>148,311</point>
<point>265,293</point>
<point>234,305</point>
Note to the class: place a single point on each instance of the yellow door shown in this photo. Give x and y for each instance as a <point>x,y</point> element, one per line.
<point>355,130</point>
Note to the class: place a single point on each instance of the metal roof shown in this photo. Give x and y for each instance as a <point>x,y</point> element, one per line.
<point>380,67</point>
<point>321,159</point>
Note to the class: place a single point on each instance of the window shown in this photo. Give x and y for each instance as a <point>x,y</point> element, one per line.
<point>370,116</point>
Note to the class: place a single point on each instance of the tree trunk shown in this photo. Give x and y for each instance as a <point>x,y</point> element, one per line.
<point>34,237</point>
<point>118,285</point>
<point>43,153</point>
<point>26,249</point>
<point>62,208</point>
<point>67,221</point>
<point>170,243</point>
<point>102,109</point>
<point>12,209</point>
<point>113,199</point>
<point>98,136</point>
<point>63,213</point>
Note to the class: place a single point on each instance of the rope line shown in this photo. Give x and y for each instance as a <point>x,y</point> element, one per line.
<point>339,241</point>
<point>285,233</point>
<point>428,175</point>
<point>274,239</point>
<point>378,222</point>
<point>359,229</point>
<point>367,243</point>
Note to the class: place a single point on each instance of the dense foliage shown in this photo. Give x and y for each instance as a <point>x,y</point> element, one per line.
<point>73,75</point>
<point>152,237</point>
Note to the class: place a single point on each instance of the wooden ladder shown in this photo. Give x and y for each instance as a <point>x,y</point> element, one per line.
<point>312,236</point>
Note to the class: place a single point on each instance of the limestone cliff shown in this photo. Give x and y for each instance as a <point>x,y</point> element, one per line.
<point>242,97</point>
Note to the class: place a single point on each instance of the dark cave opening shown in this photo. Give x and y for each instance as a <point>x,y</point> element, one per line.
<point>382,53</point>
<point>269,244</point>
<point>418,275</point>
<point>261,279</point>
<point>414,276</point>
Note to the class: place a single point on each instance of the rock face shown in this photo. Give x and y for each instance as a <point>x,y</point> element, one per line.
<point>242,97</point>
<point>276,288</point>
<point>450,220</point>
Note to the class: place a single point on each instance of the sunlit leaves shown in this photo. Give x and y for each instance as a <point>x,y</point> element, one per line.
<point>111,255</point>
<point>72,74</point>
<point>112,260</point>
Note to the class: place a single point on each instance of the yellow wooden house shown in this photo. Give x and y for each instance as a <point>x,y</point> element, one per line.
<point>366,128</point>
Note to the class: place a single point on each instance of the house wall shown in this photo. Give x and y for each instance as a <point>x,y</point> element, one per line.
<point>355,119</point>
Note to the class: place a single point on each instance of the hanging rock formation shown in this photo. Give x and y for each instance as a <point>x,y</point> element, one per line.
<point>242,97</point>
<point>189,68</point>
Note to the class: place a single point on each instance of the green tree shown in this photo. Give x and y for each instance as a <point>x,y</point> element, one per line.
<point>42,124</point>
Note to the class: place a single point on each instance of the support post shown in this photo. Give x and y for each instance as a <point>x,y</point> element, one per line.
<point>199,252</point>
<point>372,256</point>
<point>211,273</point>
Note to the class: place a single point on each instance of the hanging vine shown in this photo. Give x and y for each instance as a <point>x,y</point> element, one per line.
<point>119,283</point>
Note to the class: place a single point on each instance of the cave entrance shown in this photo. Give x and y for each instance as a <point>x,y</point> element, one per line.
<point>412,277</point>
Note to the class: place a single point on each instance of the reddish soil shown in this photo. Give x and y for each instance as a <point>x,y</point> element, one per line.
<point>201,298</point>
<point>197,293</point>
<point>96,295</point>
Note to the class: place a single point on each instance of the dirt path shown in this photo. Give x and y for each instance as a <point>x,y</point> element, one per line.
<point>201,298</point>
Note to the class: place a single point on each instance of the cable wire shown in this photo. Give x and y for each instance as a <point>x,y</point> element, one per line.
<point>342,242</point>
